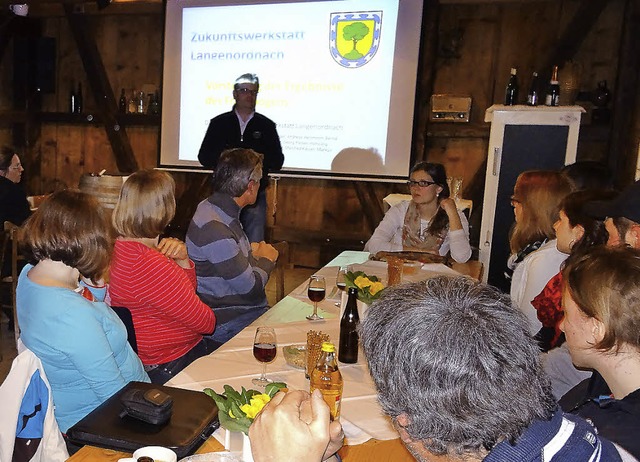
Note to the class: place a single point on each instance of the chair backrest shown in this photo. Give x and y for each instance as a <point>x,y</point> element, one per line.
<point>125,316</point>
<point>283,263</point>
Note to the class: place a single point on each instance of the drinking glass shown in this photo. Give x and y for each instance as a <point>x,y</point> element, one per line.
<point>264,350</point>
<point>316,291</point>
<point>341,281</point>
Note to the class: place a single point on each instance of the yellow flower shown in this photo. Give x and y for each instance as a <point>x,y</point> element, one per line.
<point>255,406</point>
<point>375,288</point>
<point>362,282</point>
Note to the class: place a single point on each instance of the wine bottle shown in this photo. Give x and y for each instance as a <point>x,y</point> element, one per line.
<point>133,103</point>
<point>532,96</point>
<point>327,378</point>
<point>122,105</point>
<point>511,93</point>
<point>553,92</point>
<point>72,99</point>
<point>140,103</point>
<point>348,350</point>
<point>79,102</point>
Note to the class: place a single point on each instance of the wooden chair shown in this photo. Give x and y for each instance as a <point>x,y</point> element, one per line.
<point>283,263</point>
<point>10,250</point>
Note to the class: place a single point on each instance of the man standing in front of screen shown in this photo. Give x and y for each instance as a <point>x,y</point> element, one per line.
<point>243,127</point>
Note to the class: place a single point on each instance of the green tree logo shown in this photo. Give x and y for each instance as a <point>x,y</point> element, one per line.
<point>355,32</point>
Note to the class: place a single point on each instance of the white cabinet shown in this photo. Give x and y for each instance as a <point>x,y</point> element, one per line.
<point>522,138</point>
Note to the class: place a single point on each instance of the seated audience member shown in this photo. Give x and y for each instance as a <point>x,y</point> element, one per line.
<point>588,174</point>
<point>459,375</point>
<point>575,232</point>
<point>14,206</point>
<point>429,222</point>
<point>601,323</point>
<point>81,342</point>
<point>155,280</point>
<point>534,257</point>
<point>621,215</point>
<point>232,273</point>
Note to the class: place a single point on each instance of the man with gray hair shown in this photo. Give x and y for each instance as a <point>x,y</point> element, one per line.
<point>243,127</point>
<point>459,374</point>
<point>231,272</point>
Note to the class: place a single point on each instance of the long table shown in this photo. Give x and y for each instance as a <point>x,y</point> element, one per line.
<point>370,435</point>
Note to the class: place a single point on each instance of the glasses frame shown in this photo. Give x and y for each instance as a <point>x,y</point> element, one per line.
<point>247,91</point>
<point>420,184</point>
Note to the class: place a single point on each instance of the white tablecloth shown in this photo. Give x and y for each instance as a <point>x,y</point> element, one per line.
<point>234,364</point>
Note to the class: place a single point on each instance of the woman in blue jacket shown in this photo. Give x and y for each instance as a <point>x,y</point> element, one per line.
<point>81,342</point>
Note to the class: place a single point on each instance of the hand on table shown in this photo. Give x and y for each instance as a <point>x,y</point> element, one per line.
<point>176,250</point>
<point>294,427</point>
<point>262,249</point>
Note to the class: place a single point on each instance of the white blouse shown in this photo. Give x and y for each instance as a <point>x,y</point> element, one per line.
<point>388,235</point>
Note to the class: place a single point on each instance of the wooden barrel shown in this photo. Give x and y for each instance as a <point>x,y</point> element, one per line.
<point>105,188</point>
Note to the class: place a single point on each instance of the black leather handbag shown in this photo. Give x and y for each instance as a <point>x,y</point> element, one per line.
<point>116,423</point>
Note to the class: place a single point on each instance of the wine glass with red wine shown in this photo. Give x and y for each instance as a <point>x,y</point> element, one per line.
<point>264,350</point>
<point>316,291</point>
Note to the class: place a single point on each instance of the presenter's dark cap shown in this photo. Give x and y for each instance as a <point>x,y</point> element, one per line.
<point>626,205</point>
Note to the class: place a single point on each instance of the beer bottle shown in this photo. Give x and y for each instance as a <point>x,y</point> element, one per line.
<point>327,378</point>
<point>532,97</point>
<point>348,349</point>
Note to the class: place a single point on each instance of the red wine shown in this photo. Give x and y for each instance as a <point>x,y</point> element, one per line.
<point>264,352</point>
<point>341,285</point>
<point>316,294</point>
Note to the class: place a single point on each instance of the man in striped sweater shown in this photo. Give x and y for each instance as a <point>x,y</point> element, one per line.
<point>231,272</point>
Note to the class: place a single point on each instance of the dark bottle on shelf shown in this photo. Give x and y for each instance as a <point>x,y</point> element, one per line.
<point>553,93</point>
<point>122,104</point>
<point>79,102</point>
<point>154,104</point>
<point>511,93</point>
<point>532,96</point>
<point>72,99</point>
<point>348,347</point>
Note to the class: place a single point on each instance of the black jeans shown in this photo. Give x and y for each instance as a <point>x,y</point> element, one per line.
<point>164,372</point>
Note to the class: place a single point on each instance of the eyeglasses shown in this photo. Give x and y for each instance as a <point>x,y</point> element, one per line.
<point>421,183</point>
<point>246,91</point>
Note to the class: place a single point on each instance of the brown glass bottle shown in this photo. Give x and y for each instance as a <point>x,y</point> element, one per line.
<point>553,92</point>
<point>348,345</point>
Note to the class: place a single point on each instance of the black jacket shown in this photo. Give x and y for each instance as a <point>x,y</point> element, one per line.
<point>260,135</point>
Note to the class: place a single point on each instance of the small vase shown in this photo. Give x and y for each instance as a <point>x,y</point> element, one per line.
<point>238,443</point>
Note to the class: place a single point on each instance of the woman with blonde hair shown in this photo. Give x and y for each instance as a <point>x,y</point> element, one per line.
<point>534,257</point>
<point>155,279</point>
<point>81,342</point>
<point>602,325</point>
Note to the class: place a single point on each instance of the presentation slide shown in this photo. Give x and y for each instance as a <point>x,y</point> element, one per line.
<point>337,77</point>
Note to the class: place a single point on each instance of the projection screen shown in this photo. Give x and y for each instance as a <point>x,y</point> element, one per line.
<point>338,77</point>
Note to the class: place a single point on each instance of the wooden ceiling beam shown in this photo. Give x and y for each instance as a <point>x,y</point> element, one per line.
<point>101,90</point>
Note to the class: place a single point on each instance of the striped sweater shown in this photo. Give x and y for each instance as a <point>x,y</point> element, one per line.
<point>168,317</point>
<point>230,279</point>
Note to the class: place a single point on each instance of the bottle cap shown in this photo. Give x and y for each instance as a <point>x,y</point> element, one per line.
<point>328,347</point>
<point>513,71</point>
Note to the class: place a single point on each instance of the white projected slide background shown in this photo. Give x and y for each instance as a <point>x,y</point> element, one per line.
<point>325,72</point>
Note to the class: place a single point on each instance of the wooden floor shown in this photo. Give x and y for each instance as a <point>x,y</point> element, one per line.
<point>293,278</point>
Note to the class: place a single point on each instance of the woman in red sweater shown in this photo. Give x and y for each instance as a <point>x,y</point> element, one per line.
<point>155,279</point>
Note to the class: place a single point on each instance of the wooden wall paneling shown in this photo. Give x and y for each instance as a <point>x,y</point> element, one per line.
<point>48,150</point>
<point>626,120</point>
<point>102,91</point>
<point>145,142</point>
<point>426,76</point>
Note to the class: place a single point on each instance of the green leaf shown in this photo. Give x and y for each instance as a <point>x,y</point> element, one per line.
<point>233,425</point>
<point>273,388</point>
<point>231,393</point>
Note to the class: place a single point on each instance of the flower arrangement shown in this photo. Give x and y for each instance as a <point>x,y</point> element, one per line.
<point>236,410</point>
<point>369,287</point>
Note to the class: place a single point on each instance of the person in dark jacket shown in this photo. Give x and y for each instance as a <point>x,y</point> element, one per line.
<point>242,127</point>
<point>14,206</point>
<point>601,324</point>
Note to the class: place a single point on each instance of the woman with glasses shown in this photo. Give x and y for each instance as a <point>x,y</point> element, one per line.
<point>534,258</point>
<point>13,200</point>
<point>429,222</point>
